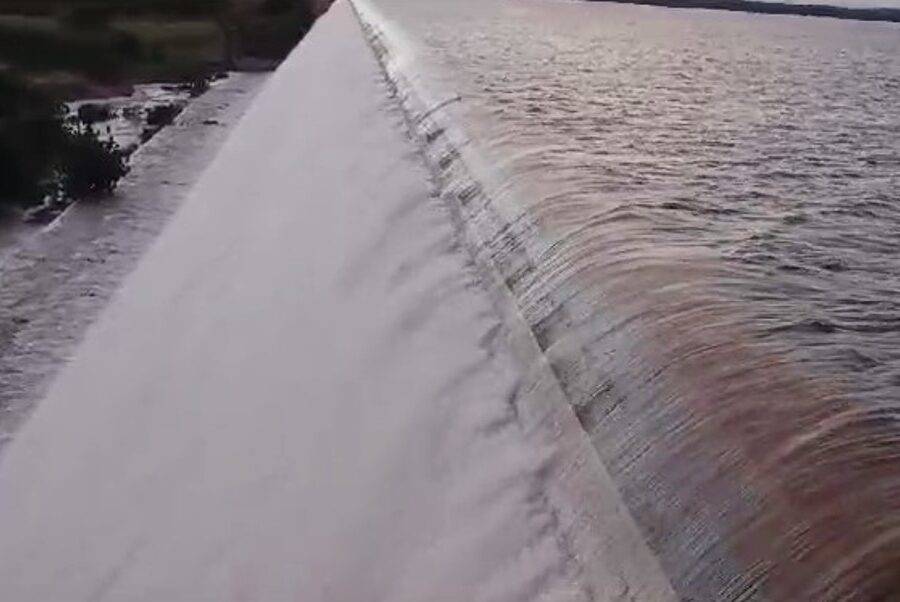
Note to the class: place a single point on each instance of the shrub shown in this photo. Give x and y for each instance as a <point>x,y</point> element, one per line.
<point>89,166</point>
<point>31,134</point>
<point>41,155</point>
<point>91,113</point>
<point>272,35</point>
<point>91,53</point>
<point>89,17</point>
<point>128,45</point>
<point>162,115</point>
<point>276,7</point>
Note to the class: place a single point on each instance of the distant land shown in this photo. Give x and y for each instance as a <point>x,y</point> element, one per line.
<point>857,13</point>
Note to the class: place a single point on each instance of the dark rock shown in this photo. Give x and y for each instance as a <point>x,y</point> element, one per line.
<point>92,113</point>
<point>163,115</point>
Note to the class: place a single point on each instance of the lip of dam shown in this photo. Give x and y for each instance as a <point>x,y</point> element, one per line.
<point>751,474</point>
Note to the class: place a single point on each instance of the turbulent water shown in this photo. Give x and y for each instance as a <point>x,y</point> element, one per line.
<point>697,213</point>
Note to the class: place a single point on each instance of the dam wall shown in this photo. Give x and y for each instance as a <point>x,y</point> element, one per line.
<point>313,387</point>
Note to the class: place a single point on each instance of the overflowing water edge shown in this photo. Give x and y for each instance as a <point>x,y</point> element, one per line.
<point>749,477</point>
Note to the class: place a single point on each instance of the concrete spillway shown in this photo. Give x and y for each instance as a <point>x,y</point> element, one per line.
<point>310,389</point>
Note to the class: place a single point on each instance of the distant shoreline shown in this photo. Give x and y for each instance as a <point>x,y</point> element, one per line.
<point>891,15</point>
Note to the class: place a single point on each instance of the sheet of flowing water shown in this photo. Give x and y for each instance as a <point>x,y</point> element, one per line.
<point>697,214</point>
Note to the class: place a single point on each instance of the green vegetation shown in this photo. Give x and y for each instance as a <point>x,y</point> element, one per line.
<point>77,47</point>
<point>31,131</point>
<point>90,166</point>
<point>44,155</point>
<point>56,50</point>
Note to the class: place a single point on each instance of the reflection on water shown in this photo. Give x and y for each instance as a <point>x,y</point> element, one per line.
<point>697,214</point>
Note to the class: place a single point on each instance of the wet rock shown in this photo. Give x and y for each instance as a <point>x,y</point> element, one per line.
<point>92,113</point>
<point>163,115</point>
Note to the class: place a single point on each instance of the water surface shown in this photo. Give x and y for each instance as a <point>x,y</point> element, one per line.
<point>697,214</point>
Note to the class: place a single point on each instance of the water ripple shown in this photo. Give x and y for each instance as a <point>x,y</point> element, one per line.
<point>697,214</point>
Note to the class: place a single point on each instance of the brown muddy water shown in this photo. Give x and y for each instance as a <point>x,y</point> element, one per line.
<point>697,214</point>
